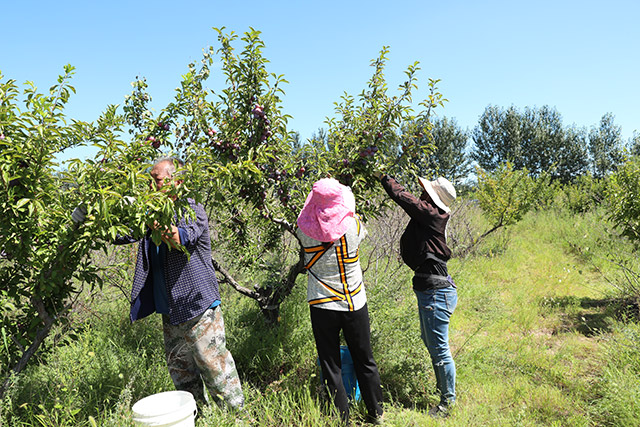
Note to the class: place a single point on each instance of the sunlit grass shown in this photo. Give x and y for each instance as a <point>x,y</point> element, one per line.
<point>537,338</point>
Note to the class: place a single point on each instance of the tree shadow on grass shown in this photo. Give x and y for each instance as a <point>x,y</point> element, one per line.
<point>265,352</point>
<point>591,316</point>
<point>409,383</point>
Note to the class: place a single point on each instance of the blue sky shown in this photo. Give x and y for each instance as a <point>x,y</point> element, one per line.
<point>580,57</point>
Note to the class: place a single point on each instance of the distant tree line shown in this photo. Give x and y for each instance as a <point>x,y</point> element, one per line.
<point>534,139</point>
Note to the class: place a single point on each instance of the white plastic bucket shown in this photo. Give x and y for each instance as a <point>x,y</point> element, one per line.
<point>169,408</point>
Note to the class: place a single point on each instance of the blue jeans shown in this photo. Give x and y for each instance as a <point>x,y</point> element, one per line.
<point>436,307</point>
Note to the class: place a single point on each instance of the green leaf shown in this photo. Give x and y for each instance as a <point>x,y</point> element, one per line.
<point>22,202</point>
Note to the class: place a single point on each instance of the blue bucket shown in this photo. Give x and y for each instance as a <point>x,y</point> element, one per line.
<point>348,374</point>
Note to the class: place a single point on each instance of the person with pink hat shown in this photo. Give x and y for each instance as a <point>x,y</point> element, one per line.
<point>423,247</point>
<point>330,233</point>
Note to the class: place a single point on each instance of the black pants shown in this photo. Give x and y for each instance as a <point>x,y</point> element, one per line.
<point>326,326</point>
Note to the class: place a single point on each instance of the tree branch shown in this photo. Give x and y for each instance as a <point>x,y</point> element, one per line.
<point>272,303</point>
<point>227,278</point>
<point>466,250</point>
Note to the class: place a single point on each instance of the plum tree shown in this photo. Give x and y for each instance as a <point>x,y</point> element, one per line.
<point>242,163</point>
<point>45,258</point>
<point>258,191</point>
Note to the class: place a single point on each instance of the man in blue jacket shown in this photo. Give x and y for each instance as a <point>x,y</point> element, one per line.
<point>185,291</point>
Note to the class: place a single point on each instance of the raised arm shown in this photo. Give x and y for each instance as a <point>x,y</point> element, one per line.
<point>188,231</point>
<point>413,206</point>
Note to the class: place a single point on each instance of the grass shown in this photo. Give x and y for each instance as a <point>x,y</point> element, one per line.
<point>538,338</point>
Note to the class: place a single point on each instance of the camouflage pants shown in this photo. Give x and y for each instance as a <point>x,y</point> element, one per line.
<point>196,351</point>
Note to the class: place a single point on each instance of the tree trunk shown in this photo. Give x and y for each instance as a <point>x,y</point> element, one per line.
<point>38,340</point>
<point>268,298</point>
<point>270,306</point>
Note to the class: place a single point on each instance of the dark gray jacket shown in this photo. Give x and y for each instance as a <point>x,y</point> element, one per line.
<point>191,282</point>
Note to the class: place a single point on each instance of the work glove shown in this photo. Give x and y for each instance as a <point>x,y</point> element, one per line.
<point>79,214</point>
<point>128,200</point>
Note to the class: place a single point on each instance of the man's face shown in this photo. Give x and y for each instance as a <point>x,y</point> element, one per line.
<point>161,175</point>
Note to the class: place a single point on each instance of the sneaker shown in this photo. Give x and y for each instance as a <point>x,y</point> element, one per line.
<point>439,411</point>
<point>376,420</point>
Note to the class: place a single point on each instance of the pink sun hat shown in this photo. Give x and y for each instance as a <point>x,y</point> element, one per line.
<point>327,211</point>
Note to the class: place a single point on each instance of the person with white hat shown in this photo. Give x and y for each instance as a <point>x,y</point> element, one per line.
<point>330,233</point>
<point>424,249</point>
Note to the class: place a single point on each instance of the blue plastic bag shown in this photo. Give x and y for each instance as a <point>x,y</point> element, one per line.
<point>348,374</point>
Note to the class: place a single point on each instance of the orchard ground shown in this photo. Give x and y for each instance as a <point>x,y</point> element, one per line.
<point>541,337</point>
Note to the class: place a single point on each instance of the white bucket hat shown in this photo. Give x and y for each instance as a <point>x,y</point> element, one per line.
<point>441,192</point>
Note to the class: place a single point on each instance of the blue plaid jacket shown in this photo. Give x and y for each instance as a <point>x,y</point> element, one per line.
<point>191,283</point>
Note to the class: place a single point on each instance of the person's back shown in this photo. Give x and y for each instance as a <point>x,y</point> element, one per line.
<point>424,249</point>
<point>335,277</point>
<point>330,234</point>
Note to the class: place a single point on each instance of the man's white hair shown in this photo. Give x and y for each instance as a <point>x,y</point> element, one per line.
<point>171,163</point>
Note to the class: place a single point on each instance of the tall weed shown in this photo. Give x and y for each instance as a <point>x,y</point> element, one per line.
<point>85,376</point>
<point>618,389</point>
<point>534,337</point>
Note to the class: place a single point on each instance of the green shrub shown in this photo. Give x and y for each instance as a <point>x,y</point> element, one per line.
<point>623,199</point>
<point>584,194</point>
